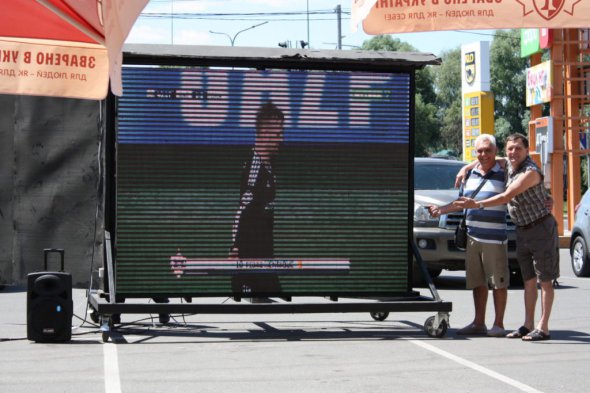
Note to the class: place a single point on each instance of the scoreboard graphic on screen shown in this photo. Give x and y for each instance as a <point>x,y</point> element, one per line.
<point>262,182</point>
<point>181,265</point>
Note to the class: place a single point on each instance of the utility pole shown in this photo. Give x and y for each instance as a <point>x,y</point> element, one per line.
<point>172,23</point>
<point>308,43</point>
<point>339,16</point>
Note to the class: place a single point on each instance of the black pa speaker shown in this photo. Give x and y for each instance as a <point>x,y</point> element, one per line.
<point>49,304</point>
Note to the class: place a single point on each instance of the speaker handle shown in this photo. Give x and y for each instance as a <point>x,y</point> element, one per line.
<point>46,252</point>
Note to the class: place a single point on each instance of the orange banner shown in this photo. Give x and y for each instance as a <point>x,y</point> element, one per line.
<point>46,69</point>
<point>402,16</point>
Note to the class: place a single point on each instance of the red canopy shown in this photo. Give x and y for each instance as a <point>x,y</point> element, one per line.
<point>64,48</point>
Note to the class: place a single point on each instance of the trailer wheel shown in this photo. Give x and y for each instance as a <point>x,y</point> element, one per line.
<point>435,331</point>
<point>105,327</point>
<point>94,317</point>
<point>379,315</point>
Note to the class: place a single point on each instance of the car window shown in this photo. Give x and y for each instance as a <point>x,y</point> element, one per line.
<point>432,176</point>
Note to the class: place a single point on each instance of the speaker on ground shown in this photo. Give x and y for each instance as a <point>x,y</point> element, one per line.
<point>49,305</point>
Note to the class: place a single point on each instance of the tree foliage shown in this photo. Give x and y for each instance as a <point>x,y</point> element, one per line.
<point>448,99</point>
<point>438,111</point>
<point>508,73</point>
<point>448,78</point>
<point>387,43</point>
<point>426,124</point>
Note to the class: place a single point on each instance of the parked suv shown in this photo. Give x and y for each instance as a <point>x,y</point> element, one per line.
<point>434,180</point>
<point>580,239</point>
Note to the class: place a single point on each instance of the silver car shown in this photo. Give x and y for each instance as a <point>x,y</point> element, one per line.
<point>581,237</point>
<point>434,180</point>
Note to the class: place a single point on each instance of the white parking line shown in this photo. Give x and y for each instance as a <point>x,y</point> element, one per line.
<point>112,381</point>
<point>476,367</point>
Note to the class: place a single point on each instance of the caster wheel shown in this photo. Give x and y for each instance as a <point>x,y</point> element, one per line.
<point>379,315</point>
<point>435,331</point>
<point>115,319</point>
<point>105,337</point>
<point>94,317</point>
<point>164,318</point>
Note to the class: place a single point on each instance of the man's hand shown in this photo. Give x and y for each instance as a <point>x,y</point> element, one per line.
<point>434,211</point>
<point>465,203</point>
<point>461,176</point>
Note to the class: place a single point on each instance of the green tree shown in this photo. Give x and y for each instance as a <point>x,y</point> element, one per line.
<point>508,74</point>
<point>502,129</point>
<point>427,127</point>
<point>426,122</point>
<point>508,83</point>
<point>448,100</point>
<point>387,43</point>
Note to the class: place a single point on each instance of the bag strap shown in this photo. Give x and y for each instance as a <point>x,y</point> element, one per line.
<point>484,180</point>
<point>462,187</point>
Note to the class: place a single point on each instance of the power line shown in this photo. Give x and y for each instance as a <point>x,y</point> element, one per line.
<point>495,34</point>
<point>326,11</point>
<point>251,16</point>
<point>241,15</point>
<point>255,19</point>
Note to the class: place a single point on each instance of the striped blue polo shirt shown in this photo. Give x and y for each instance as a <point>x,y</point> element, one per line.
<point>486,225</point>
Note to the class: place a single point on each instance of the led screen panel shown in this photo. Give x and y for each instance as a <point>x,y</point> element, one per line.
<point>277,182</point>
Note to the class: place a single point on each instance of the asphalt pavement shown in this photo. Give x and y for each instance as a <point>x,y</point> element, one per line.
<point>303,352</point>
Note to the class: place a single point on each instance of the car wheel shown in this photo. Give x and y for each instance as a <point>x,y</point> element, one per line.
<point>434,273</point>
<point>579,253</point>
<point>418,279</point>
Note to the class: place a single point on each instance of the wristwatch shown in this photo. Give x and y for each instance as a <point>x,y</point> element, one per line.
<point>480,205</point>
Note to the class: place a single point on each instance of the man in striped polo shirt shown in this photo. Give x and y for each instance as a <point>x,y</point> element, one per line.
<point>537,242</point>
<point>486,258</point>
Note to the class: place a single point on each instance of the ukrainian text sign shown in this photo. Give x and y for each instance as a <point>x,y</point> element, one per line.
<point>399,16</point>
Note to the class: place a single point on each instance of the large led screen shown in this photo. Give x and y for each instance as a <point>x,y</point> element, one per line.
<point>248,182</point>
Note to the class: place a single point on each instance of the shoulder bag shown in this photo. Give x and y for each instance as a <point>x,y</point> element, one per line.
<point>461,230</point>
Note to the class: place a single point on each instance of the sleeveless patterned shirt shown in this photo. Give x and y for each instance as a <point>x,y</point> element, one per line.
<point>528,206</point>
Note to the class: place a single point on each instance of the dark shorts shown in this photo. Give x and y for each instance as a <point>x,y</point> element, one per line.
<point>537,250</point>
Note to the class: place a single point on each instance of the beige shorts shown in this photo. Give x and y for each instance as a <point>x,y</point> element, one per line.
<point>486,264</point>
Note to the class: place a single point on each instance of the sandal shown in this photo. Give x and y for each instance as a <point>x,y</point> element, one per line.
<point>518,333</point>
<point>536,335</point>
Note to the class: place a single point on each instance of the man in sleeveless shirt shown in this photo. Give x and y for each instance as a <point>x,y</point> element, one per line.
<point>486,258</point>
<point>537,242</point>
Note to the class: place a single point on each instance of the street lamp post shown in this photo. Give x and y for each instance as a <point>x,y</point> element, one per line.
<point>233,39</point>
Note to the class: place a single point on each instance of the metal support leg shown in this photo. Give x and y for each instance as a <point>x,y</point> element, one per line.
<point>105,327</point>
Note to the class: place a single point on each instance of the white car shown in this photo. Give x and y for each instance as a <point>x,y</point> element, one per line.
<point>434,180</point>
<point>580,239</point>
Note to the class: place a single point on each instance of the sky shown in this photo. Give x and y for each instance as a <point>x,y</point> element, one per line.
<point>219,22</point>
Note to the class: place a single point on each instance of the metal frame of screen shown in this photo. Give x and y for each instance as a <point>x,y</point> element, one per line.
<point>331,171</point>
<point>341,206</point>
